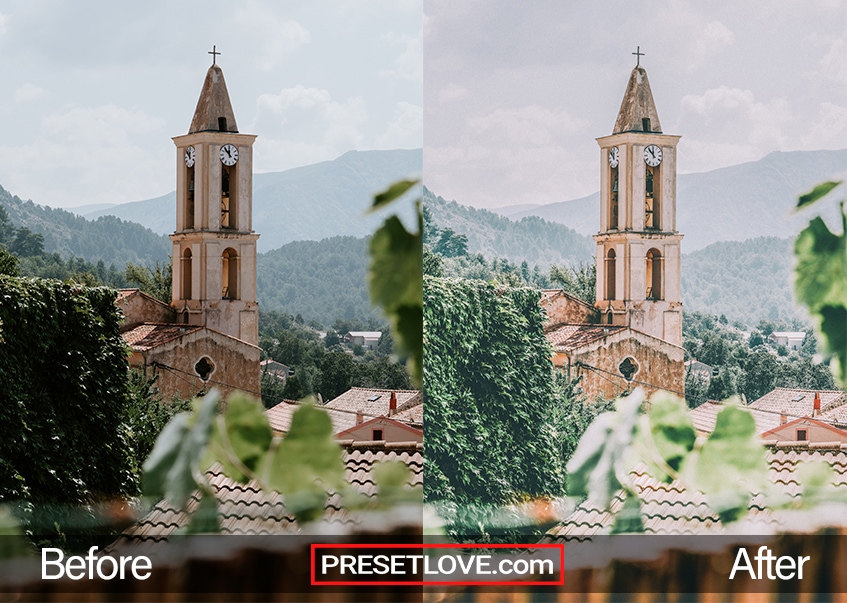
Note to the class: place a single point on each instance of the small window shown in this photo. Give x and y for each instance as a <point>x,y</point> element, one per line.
<point>222,124</point>
<point>801,435</point>
<point>377,434</point>
<point>204,368</point>
<point>645,124</point>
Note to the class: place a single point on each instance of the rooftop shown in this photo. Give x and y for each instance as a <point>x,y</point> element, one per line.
<point>149,335</point>
<point>565,337</point>
<point>638,111</point>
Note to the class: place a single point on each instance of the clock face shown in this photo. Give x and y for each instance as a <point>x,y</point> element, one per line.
<point>189,157</point>
<point>229,154</point>
<point>652,155</point>
<point>614,157</point>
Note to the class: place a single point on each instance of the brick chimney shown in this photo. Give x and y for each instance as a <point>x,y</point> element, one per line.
<point>392,404</point>
<point>816,409</point>
<point>783,418</point>
<point>360,418</point>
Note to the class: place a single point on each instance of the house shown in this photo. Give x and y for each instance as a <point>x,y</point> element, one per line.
<point>633,332</point>
<point>208,335</point>
<point>275,369</point>
<point>805,429</point>
<point>367,339</point>
<point>699,369</point>
<point>793,340</point>
<point>351,410</point>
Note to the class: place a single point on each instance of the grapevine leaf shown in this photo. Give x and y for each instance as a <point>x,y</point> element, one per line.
<point>307,463</point>
<point>599,462</point>
<point>671,434</point>
<point>393,480</point>
<point>819,192</point>
<point>731,464</point>
<point>628,520</point>
<point>174,461</point>
<point>247,438</point>
<point>395,285</point>
<point>395,191</point>
<point>205,520</point>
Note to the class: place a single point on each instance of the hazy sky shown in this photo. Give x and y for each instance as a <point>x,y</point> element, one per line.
<point>92,92</point>
<point>516,93</point>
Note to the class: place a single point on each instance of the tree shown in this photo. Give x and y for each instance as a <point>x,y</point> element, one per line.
<point>27,243</point>
<point>155,281</point>
<point>490,400</point>
<point>337,371</point>
<point>580,281</point>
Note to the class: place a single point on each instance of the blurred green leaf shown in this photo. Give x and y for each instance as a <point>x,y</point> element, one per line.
<point>395,191</point>
<point>820,191</point>
<point>395,281</point>
<point>393,479</point>
<point>731,464</point>
<point>205,520</point>
<point>307,463</point>
<point>628,520</point>
<point>246,436</point>
<point>600,460</point>
<point>171,468</point>
<point>671,433</point>
<point>821,284</point>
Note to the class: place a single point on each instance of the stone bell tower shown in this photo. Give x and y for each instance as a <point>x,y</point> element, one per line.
<point>638,246</point>
<point>214,245</point>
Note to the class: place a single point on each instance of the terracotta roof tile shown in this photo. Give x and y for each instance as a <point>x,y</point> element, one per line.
<point>799,402</point>
<point>149,335</point>
<point>565,337</point>
<point>246,509</point>
<point>705,415</point>
<point>671,509</point>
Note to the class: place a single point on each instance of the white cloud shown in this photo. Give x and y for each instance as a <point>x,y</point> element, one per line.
<point>830,130</point>
<point>452,93</point>
<point>309,120</point>
<point>272,36</point>
<point>29,92</point>
<point>834,62</point>
<point>714,38</point>
<point>409,64</point>
<point>3,20</point>
<point>531,125</point>
<point>405,130</point>
<point>90,155</point>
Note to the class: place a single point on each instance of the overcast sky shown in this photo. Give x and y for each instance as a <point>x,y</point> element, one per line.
<point>516,93</point>
<point>92,92</point>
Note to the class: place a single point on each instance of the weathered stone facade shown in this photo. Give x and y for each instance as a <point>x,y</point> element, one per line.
<point>562,307</point>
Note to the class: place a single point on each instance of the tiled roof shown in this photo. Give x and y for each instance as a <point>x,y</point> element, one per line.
<point>344,409</point>
<point>566,337</point>
<point>247,509</point>
<point>374,402</point>
<point>799,402</point>
<point>705,415</point>
<point>671,509</point>
<point>149,335</point>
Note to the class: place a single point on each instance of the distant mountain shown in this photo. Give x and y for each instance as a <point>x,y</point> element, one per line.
<point>728,204</point>
<point>108,238</point>
<point>320,280</point>
<point>530,239</point>
<point>747,281</point>
<point>306,203</point>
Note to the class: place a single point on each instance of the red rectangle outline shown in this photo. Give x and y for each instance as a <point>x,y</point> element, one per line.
<point>559,582</point>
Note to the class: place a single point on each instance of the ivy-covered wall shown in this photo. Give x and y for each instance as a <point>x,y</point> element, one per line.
<point>63,372</point>
<point>489,396</point>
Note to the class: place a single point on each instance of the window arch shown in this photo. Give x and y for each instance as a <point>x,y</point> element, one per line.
<point>652,209</point>
<point>613,201</point>
<point>185,268</point>
<point>229,211</point>
<point>611,274</point>
<point>189,200</point>
<point>654,275</point>
<point>229,274</point>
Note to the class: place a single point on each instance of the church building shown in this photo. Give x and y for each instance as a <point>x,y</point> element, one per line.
<point>209,334</point>
<point>632,336</point>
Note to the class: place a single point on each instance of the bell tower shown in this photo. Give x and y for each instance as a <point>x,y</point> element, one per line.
<point>638,246</point>
<point>214,245</point>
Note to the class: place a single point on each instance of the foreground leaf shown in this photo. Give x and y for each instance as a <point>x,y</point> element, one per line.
<point>395,191</point>
<point>819,192</point>
<point>669,436</point>
<point>307,464</point>
<point>241,437</point>
<point>173,465</point>
<point>731,464</point>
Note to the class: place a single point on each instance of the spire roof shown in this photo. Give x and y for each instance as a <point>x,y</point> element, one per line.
<point>214,111</point>
<point>638,111</point>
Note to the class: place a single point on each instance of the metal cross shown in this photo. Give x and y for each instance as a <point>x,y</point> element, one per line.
<point>638,54</point>
<point>214,54</point>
